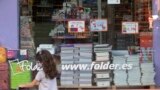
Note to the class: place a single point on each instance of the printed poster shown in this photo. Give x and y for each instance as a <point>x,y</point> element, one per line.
<point>130,28</point>
<point>98,25</point>
<point>76,26</point>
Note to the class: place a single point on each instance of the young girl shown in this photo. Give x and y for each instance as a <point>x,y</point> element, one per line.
<point>45,78</point>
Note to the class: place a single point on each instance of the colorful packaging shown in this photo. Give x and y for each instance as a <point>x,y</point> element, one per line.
<point>3,56</point>
<point>12,54</point>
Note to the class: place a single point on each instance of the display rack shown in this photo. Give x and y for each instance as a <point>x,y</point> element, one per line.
<point>61,32</point>
<point>61,16</point>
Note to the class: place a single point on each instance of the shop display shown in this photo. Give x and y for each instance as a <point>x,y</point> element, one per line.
<point>60,32</point>
<point>70,10</point>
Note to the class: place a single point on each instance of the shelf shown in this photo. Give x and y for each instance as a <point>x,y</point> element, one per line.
<point>43,15</point>
<point>83,87</point>
<point>68,19</point>
<point>114,87</point>
<point>69,37</point>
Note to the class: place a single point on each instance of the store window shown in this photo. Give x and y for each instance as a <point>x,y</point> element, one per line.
<point>114,37</point>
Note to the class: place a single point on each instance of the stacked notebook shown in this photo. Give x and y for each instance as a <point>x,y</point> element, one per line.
<point>120,75</point>
<point>134,74</point>
<point>142,73</point>
<point>77,54</point>
<point>67,57</point>
<point>84,56</point>
<point>147,70</point>
<point>102,55</point>
<point>147,73</point>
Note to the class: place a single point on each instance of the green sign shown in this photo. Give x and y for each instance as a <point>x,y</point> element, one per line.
<point>18,75</point>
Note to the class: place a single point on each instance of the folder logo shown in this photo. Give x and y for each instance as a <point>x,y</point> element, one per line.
<point>18,67</point>
<point>15,67</point>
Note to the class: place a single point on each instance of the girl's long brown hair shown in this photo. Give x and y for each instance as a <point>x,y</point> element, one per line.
<point>48,63</point>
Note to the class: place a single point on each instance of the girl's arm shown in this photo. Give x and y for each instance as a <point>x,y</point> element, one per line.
<point>30,85</point>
